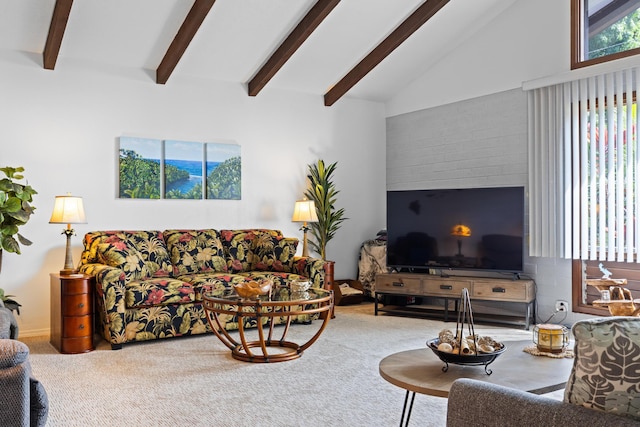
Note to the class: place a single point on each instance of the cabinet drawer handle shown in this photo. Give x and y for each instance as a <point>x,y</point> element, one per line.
<point>500,290</point>
<point>398,284</point>
<point>81,305</point>
<point>81,327</point>
<point>446,287</point>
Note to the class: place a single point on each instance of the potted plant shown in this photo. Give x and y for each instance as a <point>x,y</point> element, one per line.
<point>9,303</point>
<point>15,211</point>
<point>323,193</point>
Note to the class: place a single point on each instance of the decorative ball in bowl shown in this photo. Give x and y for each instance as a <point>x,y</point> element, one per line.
<point>449,355</point>
<point>300,285</point>
<point>253,289</point>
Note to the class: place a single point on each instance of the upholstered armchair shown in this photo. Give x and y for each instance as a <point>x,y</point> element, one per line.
<point>23,399</point>
<point>8,324</point>
<point>603,388</point>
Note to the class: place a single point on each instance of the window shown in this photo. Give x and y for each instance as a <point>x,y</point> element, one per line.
<point>609,170</point>
<point>584,177</point>
<point>604,30</point>
<point>606,164</point>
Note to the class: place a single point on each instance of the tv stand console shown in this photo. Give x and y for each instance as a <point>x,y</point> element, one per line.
<point>493,300</point>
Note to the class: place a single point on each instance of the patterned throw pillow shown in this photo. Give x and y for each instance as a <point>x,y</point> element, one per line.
<point>195,251</point>
<point>274,253</point>
<point>123,255</point>
<point>606,370</point>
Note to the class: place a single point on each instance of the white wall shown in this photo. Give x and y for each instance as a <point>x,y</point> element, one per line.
<point>529,40</point>
<point>63,125</point>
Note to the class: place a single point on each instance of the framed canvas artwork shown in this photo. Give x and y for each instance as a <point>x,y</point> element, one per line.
<point>172,169</point>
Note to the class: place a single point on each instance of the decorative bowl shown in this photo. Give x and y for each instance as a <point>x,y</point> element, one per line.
<point>484,359</point>
<point>253,289</point>
<point>300,285</point>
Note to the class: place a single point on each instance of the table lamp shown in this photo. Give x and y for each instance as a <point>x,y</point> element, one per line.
<point>304,211</point>
<point>68,210</point>
<point>459,231</point>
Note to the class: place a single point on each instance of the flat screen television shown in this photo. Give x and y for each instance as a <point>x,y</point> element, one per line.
<point>470,228</point>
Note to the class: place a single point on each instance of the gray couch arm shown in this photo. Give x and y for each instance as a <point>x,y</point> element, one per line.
<point>8,323</point>
<point>24,400</point>
<point>477,403</point>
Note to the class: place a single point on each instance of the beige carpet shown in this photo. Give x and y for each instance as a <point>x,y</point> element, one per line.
<point>194,380</point>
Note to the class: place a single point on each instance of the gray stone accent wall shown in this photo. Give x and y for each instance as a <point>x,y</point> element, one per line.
<point>480,142</point>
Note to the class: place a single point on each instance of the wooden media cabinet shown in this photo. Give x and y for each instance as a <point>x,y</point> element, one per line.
<point>493,300</point>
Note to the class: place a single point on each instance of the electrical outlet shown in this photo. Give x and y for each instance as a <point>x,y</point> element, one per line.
<point>562,305</point>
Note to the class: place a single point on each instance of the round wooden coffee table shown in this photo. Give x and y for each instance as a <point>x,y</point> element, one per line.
<point>420,371</point>
<point>281,306</point>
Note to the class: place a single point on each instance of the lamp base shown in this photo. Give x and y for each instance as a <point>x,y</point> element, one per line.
<point>68,271</point>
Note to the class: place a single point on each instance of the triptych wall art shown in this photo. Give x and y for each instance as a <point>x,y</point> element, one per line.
<point>168,169</point>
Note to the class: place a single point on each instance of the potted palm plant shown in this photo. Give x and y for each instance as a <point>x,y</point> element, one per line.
<point>15,211</point>
<point>323,192</point>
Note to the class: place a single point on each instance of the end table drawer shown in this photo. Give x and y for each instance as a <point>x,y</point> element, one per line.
<point>77,345</point>
<point>399,285</point>
<point>76,287</point>
<point>77,326</point>
<point>76,305</point>
<point>507,291</point>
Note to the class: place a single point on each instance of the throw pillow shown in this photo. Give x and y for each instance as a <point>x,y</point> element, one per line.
<point>123,255</point>
<point>606,370</point>
<point>274,253</point>
<point>195,251</point>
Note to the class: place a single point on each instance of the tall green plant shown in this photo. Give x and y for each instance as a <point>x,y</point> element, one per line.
<point>323,193</point>
<point>15,209</point>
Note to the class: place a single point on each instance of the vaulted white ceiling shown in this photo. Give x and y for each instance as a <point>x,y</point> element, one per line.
<point>237,37</point>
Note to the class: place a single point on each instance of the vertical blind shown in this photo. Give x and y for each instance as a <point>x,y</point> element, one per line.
<point>584,169</point>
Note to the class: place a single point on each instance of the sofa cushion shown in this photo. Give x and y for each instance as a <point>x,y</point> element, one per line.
<point>158,291</point>
<point>123,255</point>
<point>195,251</point>
<point>237,249</point>
<point>150,245</point>
<point>274,253</point>
<point>606,371</point>
<point>154,250</point>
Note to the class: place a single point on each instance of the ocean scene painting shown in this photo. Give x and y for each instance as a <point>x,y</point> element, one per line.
<point>171,169</point>
<point>183,169</point>
<point>139,166</point>
<point>224,171</point>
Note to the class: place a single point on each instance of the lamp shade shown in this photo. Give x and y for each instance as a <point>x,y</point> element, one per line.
<point>68,210</point>
<point>460,230</point>
<point>304,211</point>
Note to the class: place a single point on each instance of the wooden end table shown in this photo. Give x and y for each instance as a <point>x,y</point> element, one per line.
<point>72,313</point>
<point>281,304</point>
<point>420,371</point>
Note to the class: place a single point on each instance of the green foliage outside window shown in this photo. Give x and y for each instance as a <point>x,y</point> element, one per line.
<point>623,35</point>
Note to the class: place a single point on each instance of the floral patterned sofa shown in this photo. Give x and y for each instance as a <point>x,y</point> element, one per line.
<point>149,284</point>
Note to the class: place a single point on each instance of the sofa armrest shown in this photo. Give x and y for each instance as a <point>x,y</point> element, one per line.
<point>110,300</point>
<point>320,272</point>
<point>473,402</point>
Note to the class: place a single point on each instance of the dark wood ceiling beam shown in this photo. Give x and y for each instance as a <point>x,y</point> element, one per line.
<point>410,25</point>
<point>183,38</point>
<point>59,19</point>
<point>288,47</point>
